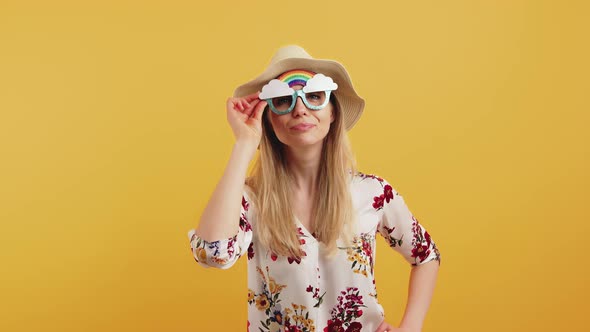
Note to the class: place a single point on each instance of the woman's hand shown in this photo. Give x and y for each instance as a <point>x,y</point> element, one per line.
<point>245,118</point>
<point>384,327</point>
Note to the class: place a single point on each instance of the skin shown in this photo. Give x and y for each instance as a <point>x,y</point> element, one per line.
<point>302,151</point>
<point>300,143</point>
<point>303,154</point>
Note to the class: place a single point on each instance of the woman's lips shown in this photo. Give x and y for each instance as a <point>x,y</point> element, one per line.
<point>303,126</point>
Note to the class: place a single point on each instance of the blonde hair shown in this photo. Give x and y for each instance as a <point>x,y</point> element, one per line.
<point>270,183</point>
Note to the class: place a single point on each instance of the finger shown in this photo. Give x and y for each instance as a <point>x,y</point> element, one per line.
<point>244,105</point>
<point>258,110</point>
<point>236,105</point>
<point>250,109</point>
<point>231,103</point>
<point>253,96</point>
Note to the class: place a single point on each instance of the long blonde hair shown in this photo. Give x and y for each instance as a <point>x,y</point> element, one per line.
<point>333,214</point>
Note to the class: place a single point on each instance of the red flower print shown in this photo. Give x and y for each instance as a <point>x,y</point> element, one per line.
<point>367,248</point>
<point>316,295</point>
<point>251,251</point>
<point>422,243</point>
<point>346,312</point>
<point>388,192</point>
<point>354,327</point>
<point>301,241</point>
<point>230,247</point>
<point>421,252</point>
<point>293,259</point>
<point>245,204</point>
<point>244,224</point>
<point>300,231</point>
<point>334,326</point>
<point>378,202</point>
<point>389,230</point>
<point>369,176</point>
<point>393,242</point>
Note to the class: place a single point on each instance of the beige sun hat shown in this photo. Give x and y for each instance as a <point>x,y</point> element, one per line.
<point>295,57</point>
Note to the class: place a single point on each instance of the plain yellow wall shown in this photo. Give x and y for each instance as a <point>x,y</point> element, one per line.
<point>113,134</point>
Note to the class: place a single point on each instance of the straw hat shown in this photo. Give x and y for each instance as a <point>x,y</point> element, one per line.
<point>295,57</point>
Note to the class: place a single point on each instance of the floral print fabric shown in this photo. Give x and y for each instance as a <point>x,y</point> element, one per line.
<point>317,293</point>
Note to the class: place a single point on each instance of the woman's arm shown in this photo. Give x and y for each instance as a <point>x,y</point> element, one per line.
<point>405,234</point>
<point>221,215</point>
<point>220,219</point>
<point>422,282</point>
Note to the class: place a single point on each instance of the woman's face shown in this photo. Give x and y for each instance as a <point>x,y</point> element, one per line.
<point>302,126</point>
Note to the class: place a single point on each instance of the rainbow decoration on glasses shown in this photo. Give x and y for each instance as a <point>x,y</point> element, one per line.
<point>296,77</point>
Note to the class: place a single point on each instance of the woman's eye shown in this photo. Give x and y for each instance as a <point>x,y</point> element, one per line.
<point>314,96</point>
<point>283,100</point>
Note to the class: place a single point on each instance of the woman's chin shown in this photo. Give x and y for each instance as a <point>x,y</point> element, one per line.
<point>303,142</point>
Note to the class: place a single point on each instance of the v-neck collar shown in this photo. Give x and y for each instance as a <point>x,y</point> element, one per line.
<point>305,231</point>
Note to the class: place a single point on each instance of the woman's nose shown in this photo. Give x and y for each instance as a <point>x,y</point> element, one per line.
<point>300,107</point>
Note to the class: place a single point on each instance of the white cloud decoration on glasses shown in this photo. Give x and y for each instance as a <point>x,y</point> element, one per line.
<point>275,88</point>
<point>320,82</point>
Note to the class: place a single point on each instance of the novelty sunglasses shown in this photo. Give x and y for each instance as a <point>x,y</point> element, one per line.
<point>315,94</point>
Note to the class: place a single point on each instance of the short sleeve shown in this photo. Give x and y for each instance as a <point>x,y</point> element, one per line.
<point>401,229</point>
<point>224,253</point>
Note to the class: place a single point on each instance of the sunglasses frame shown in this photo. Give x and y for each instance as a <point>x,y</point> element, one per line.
<point>296,94</point>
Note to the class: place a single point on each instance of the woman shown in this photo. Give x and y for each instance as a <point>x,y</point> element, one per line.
<point>305,218</point>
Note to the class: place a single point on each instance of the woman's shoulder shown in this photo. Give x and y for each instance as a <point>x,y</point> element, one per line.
<point>362,177</point>
<point>372,189</point>
<point>370,182</point>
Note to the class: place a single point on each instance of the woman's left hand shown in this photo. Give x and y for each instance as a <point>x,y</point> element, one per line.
<point>385,327</point>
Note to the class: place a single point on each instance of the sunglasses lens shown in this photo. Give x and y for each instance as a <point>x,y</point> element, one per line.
<point>283,103</point>
<point>316,98</point>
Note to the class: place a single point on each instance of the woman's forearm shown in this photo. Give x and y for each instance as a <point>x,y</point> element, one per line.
<point>220,219</point>
<point>421,289</point>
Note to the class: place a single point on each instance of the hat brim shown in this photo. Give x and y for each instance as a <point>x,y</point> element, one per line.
<point>351,104</point>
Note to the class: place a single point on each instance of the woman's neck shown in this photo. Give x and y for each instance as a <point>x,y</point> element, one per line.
<point>304,166</point>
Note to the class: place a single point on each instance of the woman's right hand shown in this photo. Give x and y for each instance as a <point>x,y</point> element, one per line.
<point>244,115</point>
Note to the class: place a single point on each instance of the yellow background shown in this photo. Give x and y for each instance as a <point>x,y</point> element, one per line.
<point>113,134</point>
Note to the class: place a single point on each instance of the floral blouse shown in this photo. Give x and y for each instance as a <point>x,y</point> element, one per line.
<point>317,293</point>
